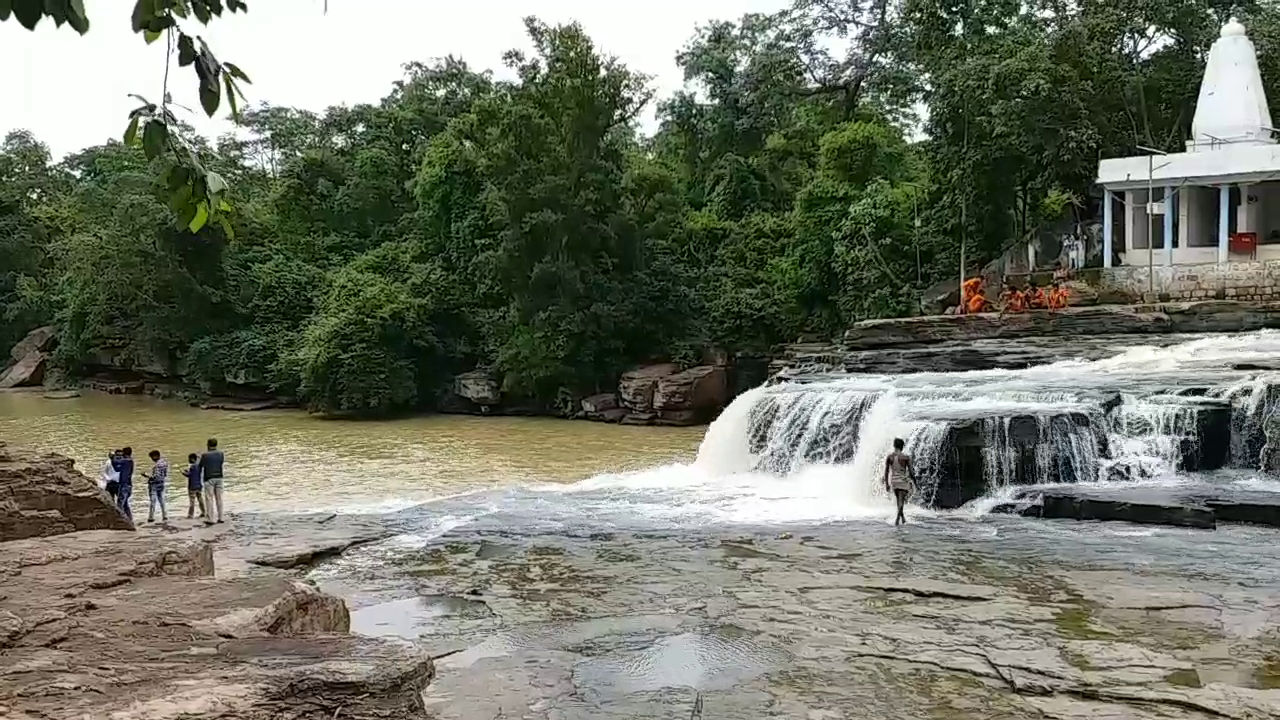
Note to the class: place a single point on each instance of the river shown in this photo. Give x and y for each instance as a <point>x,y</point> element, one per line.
<point>285,460</point>
<point>573,571</point>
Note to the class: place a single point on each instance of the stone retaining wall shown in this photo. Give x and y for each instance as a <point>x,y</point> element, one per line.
<point>1247,281</point>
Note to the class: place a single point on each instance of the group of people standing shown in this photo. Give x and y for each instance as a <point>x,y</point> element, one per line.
<point>204,482</point>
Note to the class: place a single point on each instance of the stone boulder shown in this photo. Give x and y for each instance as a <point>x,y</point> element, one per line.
<point>30,358</point>
<point>42,339</point>
<point>478,387</point>
<point>42,495</point>
<point>692,396</point>
<point>602,402</point>
<point>636,387</point>
<point>603,407</point>
<point>28,371</point>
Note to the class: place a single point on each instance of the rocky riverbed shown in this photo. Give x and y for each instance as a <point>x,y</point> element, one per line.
<point>99,620</point>
<point>945,619</point>
<point>586,603</point>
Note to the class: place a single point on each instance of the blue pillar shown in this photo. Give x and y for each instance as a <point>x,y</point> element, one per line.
<point>1107,202</point>
<point>1224,213</point>
<point>1169,210</point>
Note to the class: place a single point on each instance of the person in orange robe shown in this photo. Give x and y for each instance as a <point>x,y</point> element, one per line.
<point>1036,297</point>
<point>977,303</point>
<point>1058,296</point>
<point>1012,300</point>
<point>971,297</point>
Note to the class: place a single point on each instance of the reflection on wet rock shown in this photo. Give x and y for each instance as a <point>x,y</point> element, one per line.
<point>718,659</point>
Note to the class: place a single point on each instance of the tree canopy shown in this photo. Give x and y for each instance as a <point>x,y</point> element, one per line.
<point>821,167</point>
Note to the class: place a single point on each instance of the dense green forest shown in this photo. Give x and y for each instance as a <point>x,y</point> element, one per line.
<point>822,167</point>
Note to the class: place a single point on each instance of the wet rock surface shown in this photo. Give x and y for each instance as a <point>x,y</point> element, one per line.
<point>289,542</point>
<point>943,619</point>
<point>1198,506</point>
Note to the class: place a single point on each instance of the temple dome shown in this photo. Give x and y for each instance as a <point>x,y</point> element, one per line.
<point>1232,107</point>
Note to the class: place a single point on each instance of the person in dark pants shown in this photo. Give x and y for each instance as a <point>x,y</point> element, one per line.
<point>156,480</point>
<point>124,490</point>
<point>211,462</point>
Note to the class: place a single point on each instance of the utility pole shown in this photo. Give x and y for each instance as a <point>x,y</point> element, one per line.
<point>1151,225</point>
<point>964,209</point>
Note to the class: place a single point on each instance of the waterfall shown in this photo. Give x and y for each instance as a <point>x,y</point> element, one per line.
<point>1147,414</point>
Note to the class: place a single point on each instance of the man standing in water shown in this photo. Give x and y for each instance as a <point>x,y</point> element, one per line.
<point>899,477</point>
<point>211,472</point>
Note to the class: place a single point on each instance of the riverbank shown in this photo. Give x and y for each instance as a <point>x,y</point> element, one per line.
<point>670,394</point>
<point>100,620</point>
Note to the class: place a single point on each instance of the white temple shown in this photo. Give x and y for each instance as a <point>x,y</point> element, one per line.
<point>1220,200</point>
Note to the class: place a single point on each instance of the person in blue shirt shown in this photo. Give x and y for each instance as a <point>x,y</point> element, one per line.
<point>124,467</point>
<point>195,494</point>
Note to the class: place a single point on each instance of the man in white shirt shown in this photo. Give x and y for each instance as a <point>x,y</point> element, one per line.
<point>109,479</point>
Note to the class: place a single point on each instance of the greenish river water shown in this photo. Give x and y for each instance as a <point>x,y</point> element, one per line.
<point>286,460</point>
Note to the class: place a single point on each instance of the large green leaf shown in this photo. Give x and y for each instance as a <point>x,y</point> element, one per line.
<point>155,137</point>
<point>28,12</point>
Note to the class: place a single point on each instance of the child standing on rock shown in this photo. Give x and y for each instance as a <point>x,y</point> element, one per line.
<point>195,488</point>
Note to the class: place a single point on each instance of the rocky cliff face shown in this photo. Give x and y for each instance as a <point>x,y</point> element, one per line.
<point>104,623</point>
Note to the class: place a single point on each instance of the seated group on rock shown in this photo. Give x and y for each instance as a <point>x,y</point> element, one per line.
<point>1013,299</point>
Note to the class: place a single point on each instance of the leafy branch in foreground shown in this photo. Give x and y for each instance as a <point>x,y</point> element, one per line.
<point>195,192</point>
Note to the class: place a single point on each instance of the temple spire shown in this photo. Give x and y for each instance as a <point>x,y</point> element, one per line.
<point>1232,107</point>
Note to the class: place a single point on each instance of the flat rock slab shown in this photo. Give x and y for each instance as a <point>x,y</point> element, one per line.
<point>1200,506</point>
<point>1184,317</point>
<point>287,542</point>
<point>134,626</point>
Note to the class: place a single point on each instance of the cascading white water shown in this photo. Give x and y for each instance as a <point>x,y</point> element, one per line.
<point>1146,435</point>
<point>1137,415</point>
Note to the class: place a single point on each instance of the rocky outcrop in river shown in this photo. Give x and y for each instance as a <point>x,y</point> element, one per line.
<point>138,626</point>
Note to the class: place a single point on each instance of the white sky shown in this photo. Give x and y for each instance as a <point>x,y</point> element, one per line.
<point>72,91</point>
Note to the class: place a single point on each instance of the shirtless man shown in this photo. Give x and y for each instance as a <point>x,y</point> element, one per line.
<point>899,477</point>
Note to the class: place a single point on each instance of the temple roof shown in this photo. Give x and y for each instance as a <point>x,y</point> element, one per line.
<point>1233,104</point>
<point>1231,132</point>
